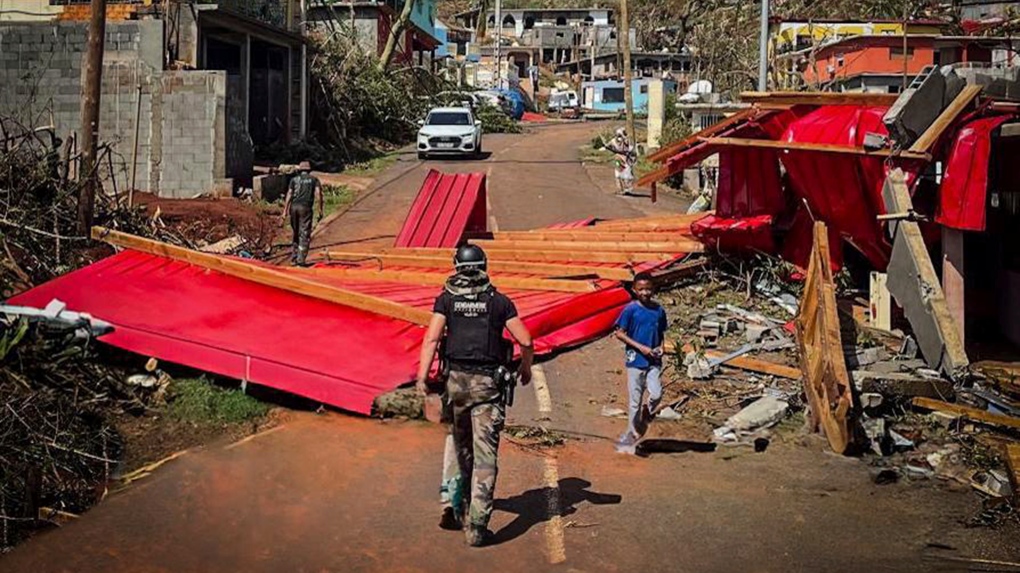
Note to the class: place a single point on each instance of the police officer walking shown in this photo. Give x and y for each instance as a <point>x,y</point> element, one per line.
<point>474,315</point>
<point>302,193</point>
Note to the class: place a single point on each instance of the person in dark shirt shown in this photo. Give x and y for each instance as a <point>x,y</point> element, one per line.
<point>642,328</point>
<point>302,193</point>
<point>473,315</point>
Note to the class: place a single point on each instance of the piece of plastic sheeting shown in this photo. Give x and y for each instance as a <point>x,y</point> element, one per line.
<point>963,195</point>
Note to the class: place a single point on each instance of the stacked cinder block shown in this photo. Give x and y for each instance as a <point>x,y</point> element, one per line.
<point>182,136</point>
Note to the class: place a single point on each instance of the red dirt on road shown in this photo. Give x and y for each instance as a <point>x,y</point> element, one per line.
<point>340,493</point>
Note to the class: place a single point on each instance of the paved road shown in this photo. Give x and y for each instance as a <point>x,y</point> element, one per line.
<point>341,493</point>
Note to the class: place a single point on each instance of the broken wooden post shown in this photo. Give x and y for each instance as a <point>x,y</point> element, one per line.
<point>826,381</point>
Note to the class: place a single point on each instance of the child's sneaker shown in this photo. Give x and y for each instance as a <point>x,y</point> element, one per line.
<point>627,444</point>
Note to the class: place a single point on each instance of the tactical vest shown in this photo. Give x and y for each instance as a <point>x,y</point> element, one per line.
<point>303,190</point>
<point>473,339</point>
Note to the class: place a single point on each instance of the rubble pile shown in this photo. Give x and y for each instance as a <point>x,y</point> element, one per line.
<point>39,238</point>
<point>57,446</point>
<point>733,336</point>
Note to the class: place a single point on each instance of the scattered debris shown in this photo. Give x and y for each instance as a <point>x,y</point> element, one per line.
<point>973,414</point>
<point>764,412</point>
<point>613,412</point>
<point>534,436</point>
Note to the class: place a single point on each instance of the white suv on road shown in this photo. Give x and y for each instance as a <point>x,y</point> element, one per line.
<point>450,130</point>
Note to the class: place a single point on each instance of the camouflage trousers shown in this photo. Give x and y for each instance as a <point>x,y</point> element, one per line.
<point>478,416</point>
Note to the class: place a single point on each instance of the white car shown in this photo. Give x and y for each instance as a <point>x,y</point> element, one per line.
<point>450,131</point>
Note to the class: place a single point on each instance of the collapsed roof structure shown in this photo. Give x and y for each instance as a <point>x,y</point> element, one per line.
<point>350,328</point>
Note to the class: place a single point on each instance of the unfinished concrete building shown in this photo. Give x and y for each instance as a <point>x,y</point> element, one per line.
<point>208,82</point>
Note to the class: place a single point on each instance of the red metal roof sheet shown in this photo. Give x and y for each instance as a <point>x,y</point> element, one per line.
<point>446,207</point>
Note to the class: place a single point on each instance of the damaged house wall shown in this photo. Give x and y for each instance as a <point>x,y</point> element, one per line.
<point>183,137</point>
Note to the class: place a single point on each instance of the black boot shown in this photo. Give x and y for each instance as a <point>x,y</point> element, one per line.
<point>450,521</point>
<point>478,536</point>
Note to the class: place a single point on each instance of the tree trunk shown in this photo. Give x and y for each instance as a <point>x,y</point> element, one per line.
<point>395,32</point>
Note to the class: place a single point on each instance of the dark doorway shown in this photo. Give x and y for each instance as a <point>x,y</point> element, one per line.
<point>268,116</point>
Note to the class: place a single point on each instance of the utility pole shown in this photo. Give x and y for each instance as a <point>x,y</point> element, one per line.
<point>91,91</point>
<point>628,95</point>
<point>499,42</point>
<point>763,48</point>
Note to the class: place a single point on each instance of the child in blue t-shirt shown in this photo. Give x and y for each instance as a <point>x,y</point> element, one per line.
<point>642,327</point>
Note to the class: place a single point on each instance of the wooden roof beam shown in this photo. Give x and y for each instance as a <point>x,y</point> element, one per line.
<point>816,147</point>
<point>495,264</point>
<point>265,276</point>
<point>673,246</point>
<point>819,98</point>
<point>550,255</point>
<point>674,148</point>
<point>593,235</point>
<point>439,279</point>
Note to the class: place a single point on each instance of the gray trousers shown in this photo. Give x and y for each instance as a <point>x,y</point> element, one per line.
<point>639,380</point>
<point>301,224</point>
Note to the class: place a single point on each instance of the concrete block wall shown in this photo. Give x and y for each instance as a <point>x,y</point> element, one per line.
<point>193,147</point>
<point>182,135</point>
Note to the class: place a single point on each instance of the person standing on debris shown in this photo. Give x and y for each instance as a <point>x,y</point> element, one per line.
<point>642,327</point>
<point>468,318</point>
<point>302,193</point>
<point>623,160</point>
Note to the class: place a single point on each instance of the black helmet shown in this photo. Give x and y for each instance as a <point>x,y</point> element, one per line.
<point>469,257</point>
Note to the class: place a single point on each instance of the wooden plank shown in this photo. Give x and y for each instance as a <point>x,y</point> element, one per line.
<point>265,276</point>
<point>744,362</point>
<point>651,224</point>
<point>439,279</point>
<point>602,236</point>
<point>972,414</point>
<point>549,255</point>
<point>674,246</point>
<point>675,272</point>
<point>677,218</point>
<point>826,380</point>
<point>816,147</point>
<point>1013,467</point>
<point>676,147</point>
<point>945,119</point>
<point>495,264</point>
<point>660,174</point>
<point>654,226</point>
<point>819,98</point>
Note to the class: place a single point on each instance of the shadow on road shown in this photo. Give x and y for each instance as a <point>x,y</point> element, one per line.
<point>667,446</point>
<point>533,507</point>
<point>458,158</point>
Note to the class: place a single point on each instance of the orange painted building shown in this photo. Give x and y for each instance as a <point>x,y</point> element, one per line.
<point>867,55</point>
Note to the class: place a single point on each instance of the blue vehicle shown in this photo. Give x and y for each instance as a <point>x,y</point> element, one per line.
<point>516,100</point>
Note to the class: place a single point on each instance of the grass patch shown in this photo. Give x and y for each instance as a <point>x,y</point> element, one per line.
<point>336,197</point>
<point>590,154</point>
<point>198,400</point>
<point>372,167</point>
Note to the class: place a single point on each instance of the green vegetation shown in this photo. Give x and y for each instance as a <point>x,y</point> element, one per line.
<point>495,121</point>
<point>336,197</point>
<point>371,167</point>
<point>198,400</point>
